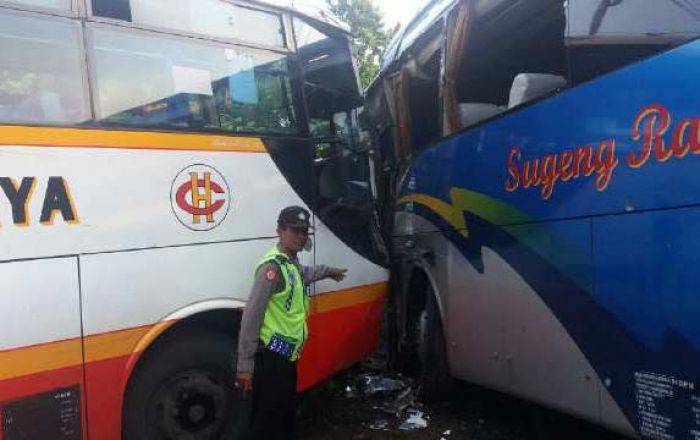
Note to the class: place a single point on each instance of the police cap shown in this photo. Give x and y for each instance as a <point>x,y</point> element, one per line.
<point>294,216</point>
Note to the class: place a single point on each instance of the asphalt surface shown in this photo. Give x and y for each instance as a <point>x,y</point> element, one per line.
<point>331,412</point>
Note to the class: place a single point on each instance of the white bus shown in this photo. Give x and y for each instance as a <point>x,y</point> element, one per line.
<point>146,147</point>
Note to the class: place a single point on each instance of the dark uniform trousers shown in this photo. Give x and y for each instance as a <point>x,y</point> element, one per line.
<point>274,399</point>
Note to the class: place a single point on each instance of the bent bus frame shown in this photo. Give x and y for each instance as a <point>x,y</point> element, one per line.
<point>545,180</point>
<point>146,151</point>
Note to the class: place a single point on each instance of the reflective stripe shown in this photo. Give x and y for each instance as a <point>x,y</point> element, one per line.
<point>284,324</point>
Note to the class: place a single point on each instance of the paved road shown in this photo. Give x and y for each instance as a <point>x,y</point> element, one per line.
<point>474,414</point>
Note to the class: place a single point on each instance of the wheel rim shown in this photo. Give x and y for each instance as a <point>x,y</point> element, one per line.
<point>192,405</point>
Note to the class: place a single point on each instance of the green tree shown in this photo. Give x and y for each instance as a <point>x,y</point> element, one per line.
<point>369,34</point>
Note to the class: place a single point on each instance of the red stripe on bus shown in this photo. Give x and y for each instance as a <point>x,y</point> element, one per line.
<point>339,338</point>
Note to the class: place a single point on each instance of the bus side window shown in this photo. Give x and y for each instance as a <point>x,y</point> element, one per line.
<point>491,70</point>
<point>212,18</point>
<point>152,80</point>
<point>42,78</point>
<point>422,90</point>
<point>608,34</point>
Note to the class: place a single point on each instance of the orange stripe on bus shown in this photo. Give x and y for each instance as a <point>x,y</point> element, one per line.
<point>135,140</point>
<point>325,302</point>
<point>61,354</point>
<point>113,344</point>
<point>39,358</point>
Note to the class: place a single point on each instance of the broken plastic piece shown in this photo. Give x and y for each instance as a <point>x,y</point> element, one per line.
<point>350,392</point>
<point>372,384</point>
<point>379,425</point>
<point>402,401</point>
<point>414,421</point>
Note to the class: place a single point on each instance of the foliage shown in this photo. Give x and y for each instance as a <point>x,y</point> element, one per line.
<point>370,36</point>
<point>15,83</point>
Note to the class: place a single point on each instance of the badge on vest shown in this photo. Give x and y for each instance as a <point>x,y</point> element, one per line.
<point>280,345</point>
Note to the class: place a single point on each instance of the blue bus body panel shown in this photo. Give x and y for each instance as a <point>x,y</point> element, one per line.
<point>614,254</point>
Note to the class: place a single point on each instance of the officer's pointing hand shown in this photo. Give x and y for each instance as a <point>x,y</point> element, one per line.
<point>337,274</point>
<point>244,381</point>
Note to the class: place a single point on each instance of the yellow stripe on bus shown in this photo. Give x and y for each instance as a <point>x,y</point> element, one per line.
<point>135,140</point>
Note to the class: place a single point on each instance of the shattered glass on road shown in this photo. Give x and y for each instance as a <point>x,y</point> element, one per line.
<point>367,404</point>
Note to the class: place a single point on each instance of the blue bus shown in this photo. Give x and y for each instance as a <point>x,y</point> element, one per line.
<point>543,157</point>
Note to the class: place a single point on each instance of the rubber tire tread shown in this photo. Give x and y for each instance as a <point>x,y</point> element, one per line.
<point>436,381</point>
<point>190,350</point>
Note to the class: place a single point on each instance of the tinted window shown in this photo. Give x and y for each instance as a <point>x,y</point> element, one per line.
<point>633,17</point>
<point>165,81</point>
<point>213,18</point>
<point>117,9</point>
<point>42,76</point>
<point>330,77</point>
<point>605,35</point>
<point>423,95</point>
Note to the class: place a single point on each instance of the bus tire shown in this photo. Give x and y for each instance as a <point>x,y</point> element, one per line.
<point>435,378</point>
<point>182,389</point>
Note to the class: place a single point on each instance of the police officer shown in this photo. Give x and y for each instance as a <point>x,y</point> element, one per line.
<point>273,328</point>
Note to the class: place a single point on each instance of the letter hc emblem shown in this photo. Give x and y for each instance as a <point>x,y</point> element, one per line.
<point>200,197</point>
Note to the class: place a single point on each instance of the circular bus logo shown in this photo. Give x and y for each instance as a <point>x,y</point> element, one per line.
<point>200,197</point>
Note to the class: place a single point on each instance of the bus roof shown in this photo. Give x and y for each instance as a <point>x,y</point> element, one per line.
<point>309,9</point>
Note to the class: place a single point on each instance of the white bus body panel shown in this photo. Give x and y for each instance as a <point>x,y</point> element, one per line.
<point>39,302</point>
<point>122,198</point>
<point>501,334</point>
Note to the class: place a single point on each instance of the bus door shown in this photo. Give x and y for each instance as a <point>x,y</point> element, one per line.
<point>345,215</point>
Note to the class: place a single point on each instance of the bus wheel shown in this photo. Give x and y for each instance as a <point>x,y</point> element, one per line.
<point>435,379</point>
<point>182,390</point>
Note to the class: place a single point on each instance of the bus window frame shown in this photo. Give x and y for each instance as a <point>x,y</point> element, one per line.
<point>302,71</point>
<point>297,105</point>
<point>77,9</point>
<point>86,74</point>
<point>82,12</point>
<point>91,18</point>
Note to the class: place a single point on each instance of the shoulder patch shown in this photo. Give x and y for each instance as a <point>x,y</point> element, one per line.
<point>271,274</point>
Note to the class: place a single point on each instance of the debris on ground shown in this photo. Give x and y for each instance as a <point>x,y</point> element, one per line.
<point>350,392</point>
<point>398,404</point>
<point>375,384</point>
<point>340,410</point>
<point>393,395</point>
<point>414,421</point>
<point>379,425</point>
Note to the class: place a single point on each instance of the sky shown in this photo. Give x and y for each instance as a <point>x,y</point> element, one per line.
<point>395,11</point>
<point>399,11</point>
